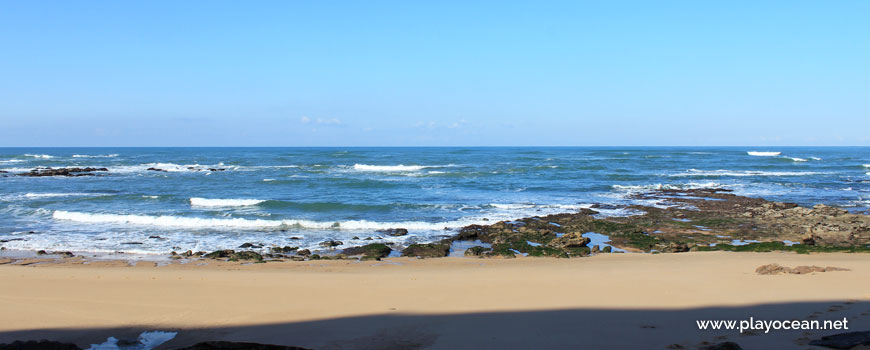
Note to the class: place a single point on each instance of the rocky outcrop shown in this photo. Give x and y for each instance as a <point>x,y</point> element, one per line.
<point>374,251</point>
<point>331,244</point>
<point>232,255</point>
<point>429,250</point>
<point>776,269</point>
<point>394,232</point>
<point>570,240</point>
<point>39,172</point>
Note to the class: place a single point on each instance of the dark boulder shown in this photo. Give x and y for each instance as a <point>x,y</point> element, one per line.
<point>219,254</point>
<point>246,255</point>
<point>250,246</point>
<point>303,252</point>
<point>39,345</point>
<point>607,249</point>
<point>157,169</point>
<point>369,251</point>
<point>284,249</point>
<point>395,232</point>
<point>331,244</point>
<point>62,172</point>
<point>429,250</point>
<point>844,340</point>
<point>226,345</point>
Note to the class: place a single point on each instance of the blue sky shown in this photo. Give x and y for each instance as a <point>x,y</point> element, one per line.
<point>414,73</point>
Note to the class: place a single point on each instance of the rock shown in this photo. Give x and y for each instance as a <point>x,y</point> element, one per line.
<point>570,240</point>
<point>216,169</point>
<point>395,232</point>
<point>806,269</point>
<point>314,257</point>
<point>41,252</point>
<point>303,252</point>
<point>284,249</point>
<point>728,345</point>
<point>369,251</point>
<point>429,250</point>
<point>226,345</point>
<point>132,243</point>
<point>219,254</point>
<point>331,244</point>
<point>250,246</point>
<point>39,345</point>
<point>607,249</point>
<point>246,255</point>
<point>157,169</point>
<point>39,172</point>
<point>155,237</point>
<point>475,251</point>
<point>844,340</point>
<point>674,247</point>
<point>595,249</point>
<point>771,269</point>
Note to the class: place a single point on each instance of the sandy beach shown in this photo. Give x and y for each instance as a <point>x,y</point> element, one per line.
<point>610,300</point>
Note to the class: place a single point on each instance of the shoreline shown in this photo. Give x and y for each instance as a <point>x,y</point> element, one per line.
<point>290,302</point>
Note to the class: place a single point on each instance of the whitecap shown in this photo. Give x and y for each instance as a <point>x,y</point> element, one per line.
<point>796,159</point>
<point>94,156</point>
<point>389,168</point>
<point>237,223</point>
<point>206,202</point>
<point>40,156</point>
<point>763,154</point>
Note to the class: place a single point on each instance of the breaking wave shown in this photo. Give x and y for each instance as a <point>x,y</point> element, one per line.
<point>389,168</point>
<point>763,154</point>
<point>237,223</point>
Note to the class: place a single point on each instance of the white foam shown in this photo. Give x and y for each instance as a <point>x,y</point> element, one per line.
<point>236,223</point>
<point>389,168</point>
<point>206,202</point>
<point>151,197</point>
<point>11,161</point>
<point>796,159</point>
<point>94,156</point>
<point>684,186</point>
<point>867,165</point>
<point>815,158</point>
<point>40,156</point>
<point>742,173</point>
<point>763,154</point>
<point>268,180</point>
<point>147,341</point>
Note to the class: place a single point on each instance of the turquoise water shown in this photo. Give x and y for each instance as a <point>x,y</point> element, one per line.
<point>303,196</point>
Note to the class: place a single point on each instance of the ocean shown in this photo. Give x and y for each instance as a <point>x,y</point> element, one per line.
<point>219,198</point>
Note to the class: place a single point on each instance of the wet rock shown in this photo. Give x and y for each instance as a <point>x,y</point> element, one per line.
<point>844,340</point>
<point>595,249</point>
<point>132,243</point>
<point>607,249</point>
<point>283,250</point>
<point>41,252</point>
<point>246,255</point>
<point>157,169</point>
<point>155,237</point>
<point>216,169</point>
<point>225,345</point>
<point>219,254</point>
<point>303,252</point>
<point>331,244</point>
<point>251,246</point>
<point>429,250</point>
<point>39,345</point>
<point>314,257</point>
<point>394,232</point>
<point>369,251</point>
<point>728,345</point>
<point>475,251</point>
<point>39,172</point>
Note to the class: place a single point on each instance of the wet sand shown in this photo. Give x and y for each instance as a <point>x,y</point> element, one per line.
<point>609,300</point>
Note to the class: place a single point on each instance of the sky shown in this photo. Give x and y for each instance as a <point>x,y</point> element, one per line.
<point>434,73</point>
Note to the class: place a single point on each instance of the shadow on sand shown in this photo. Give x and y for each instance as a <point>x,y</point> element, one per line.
<point>556,329</point>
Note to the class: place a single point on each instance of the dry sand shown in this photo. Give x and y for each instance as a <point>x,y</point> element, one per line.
<point>607,301</point>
